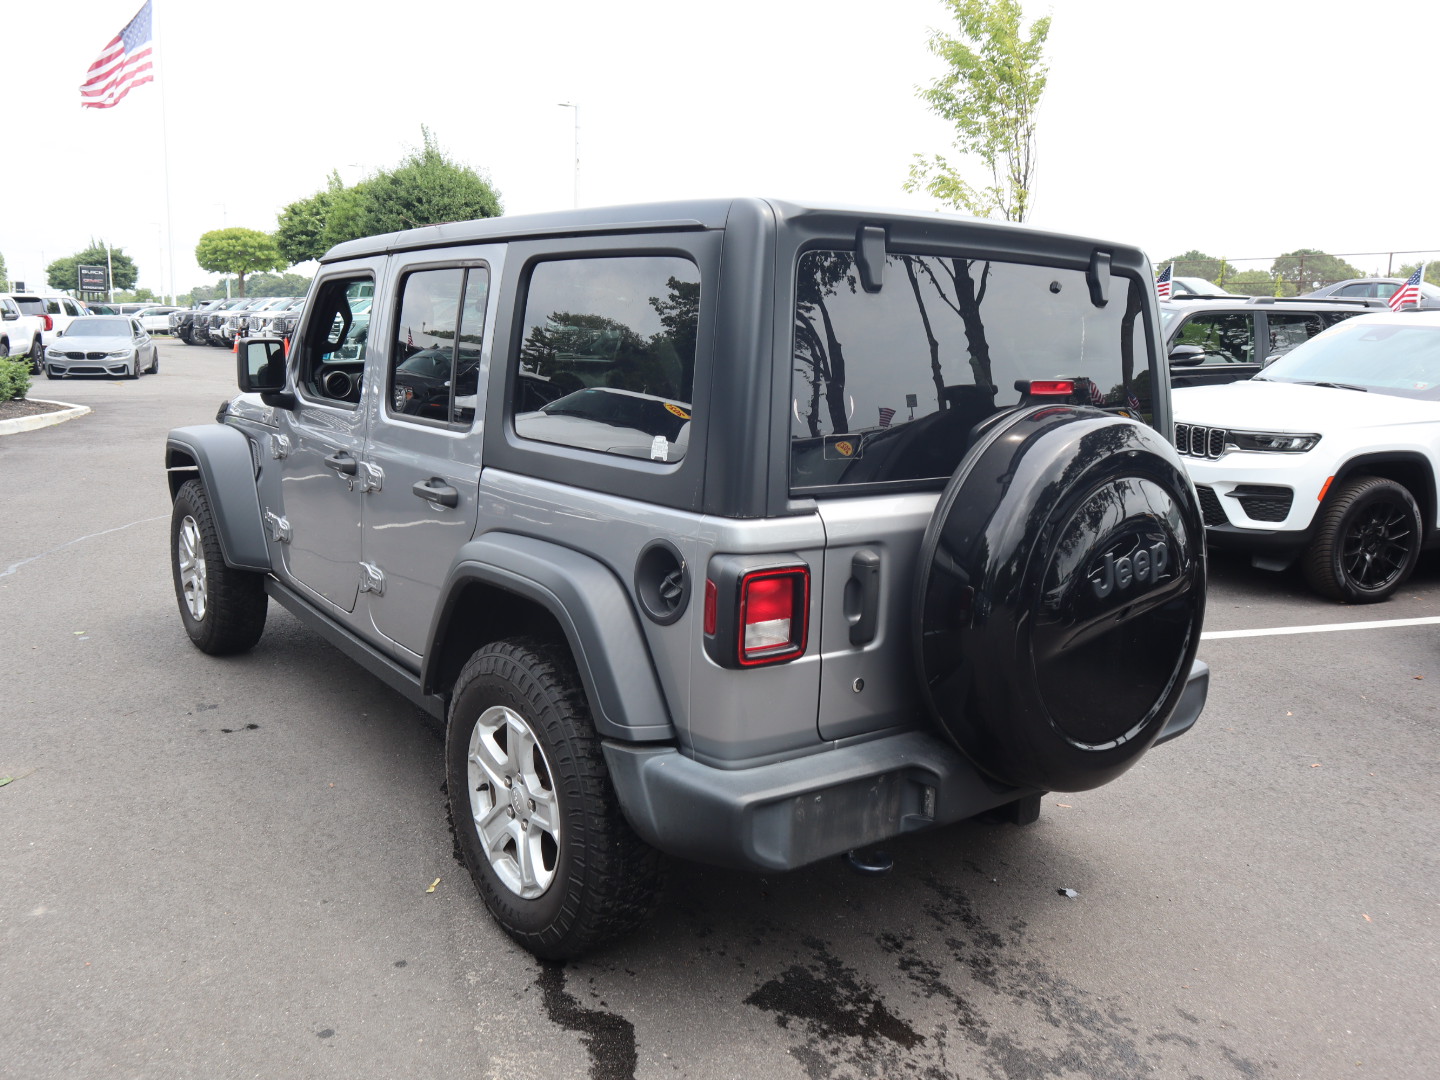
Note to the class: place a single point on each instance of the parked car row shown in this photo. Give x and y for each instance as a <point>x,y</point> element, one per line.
<point>220,322</point>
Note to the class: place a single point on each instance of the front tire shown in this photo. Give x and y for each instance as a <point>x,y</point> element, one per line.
<point>154,368</point>
<point>532,804</point>
<point>223,609</point>
<point>1367,544</point>
<point>37,357</point>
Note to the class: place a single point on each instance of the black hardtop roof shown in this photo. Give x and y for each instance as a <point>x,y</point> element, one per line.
<point>687,215</point>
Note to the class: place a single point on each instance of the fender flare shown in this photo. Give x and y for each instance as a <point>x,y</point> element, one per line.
<point>221,454</point>
<point>593,609</point>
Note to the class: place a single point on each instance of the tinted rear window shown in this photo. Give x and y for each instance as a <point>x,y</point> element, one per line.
<point>888,386</point>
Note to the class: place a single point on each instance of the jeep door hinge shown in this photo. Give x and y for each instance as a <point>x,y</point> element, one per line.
<point>279,527</point>
<point>372,579</point>
<point>374,477</point>
<point>279,446</point>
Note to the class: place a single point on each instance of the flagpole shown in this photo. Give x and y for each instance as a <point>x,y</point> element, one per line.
<point>164,145</point>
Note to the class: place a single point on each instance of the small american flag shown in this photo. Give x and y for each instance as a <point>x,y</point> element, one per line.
<point>123,64</point>
<point>887,416</point>
<point>1162,283</point>
<point>1409,293</point>
<point>1131,401</point>
<point>409,338</point>
<point>1092,388</point>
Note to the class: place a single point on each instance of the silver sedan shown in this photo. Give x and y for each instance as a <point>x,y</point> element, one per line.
<point>103,345</point>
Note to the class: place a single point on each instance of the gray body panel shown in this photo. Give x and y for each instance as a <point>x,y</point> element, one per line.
<point>222,456</point>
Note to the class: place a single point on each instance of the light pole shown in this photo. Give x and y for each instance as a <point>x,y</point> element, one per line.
<point>576,107</point>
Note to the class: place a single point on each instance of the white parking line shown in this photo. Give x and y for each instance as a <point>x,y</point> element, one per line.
<point>1321,629</point>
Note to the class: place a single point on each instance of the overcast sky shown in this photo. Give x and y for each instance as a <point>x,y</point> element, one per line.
<point>1244,129</point>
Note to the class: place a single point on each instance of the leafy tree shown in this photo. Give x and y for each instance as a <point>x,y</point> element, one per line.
<point>4,277</point>
<point>424,189</point>
<point>1309,268</point>
<point>136,296</point>
<point>301,231</point>
<point>1259,283</point>
<point>1432,271</point>
<point>278,284</point>
<point>1197,264</point>
<point>991,93</point>
<point>239,252</point>
<point>62,274</point>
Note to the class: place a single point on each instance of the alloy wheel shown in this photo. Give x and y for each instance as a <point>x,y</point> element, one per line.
<point>512,799</point>
<point>190,555</point>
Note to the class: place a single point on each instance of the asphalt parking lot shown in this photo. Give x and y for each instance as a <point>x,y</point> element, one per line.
<point>220,868</point>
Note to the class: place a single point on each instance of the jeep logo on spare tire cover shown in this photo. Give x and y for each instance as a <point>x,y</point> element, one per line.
<point>1060,597</point>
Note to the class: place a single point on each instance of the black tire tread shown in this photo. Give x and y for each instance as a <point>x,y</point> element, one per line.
<point>621,873</point>
<point>1320,563</point>
<point>236,603</point>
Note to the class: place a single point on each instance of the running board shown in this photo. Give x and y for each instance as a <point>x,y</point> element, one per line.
<point>398,678</point>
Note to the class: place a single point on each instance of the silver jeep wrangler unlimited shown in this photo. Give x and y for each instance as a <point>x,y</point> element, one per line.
<point>739,530</point>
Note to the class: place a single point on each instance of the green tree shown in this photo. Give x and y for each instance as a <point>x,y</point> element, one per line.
<point>239,252</point>
<point>1432,271</point>
<point>1309,268</point>
<point>1197,264</point>
<point>300,234</point>
<point>1259,283</point>
<point>991,94</point>
<point>63,274</point>
<point>424,189</point>
<point>4,277</point>
<point>278,284</point>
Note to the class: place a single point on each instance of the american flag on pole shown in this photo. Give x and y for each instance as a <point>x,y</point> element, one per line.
<point>123,64</point>
<point>887,416</point>
<point>1162,283</point>
<point>1409,293</point>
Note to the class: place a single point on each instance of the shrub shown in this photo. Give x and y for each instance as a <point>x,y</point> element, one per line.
<point>14,377</point>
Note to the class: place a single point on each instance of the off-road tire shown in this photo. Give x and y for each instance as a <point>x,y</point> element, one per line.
<point>605,879</point>
<point>1367,542</point>
<point>233,615</point>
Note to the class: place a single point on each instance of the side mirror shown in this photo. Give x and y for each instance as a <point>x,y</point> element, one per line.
<point>1187,356</point>
<point>10,316</point>
<point>260,369</point>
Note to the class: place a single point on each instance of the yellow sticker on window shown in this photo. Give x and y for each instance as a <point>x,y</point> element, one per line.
<point>681,413</point>
<point>844,448</point>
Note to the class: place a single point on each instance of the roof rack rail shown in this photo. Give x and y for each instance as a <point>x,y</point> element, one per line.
<point>1348,301</point>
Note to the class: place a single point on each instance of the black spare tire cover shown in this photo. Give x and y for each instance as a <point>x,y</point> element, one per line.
<point>1060,596</point>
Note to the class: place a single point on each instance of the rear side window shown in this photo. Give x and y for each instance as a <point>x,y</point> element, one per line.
<point>607,358</point>
<point>888,386</point>
<point>435,359</point>
<point>1228,337</point>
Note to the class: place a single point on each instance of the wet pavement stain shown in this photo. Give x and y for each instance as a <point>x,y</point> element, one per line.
<point>247,727</point>
<point>609,1038</point>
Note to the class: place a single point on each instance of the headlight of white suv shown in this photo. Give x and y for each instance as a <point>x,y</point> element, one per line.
<point>1278,442</point>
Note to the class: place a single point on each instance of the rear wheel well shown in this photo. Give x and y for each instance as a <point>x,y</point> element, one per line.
<point>481,614</point>
<point>1412,472</point>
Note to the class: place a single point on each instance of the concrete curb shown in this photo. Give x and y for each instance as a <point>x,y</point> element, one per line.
<point>39,420</point>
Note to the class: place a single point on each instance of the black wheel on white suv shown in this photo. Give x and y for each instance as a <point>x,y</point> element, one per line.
<point>1367,542</point>
<point>533,808</point>
<point>37,357</point>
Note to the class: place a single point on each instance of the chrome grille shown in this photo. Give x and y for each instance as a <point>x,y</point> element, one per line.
<point>1197,441</point>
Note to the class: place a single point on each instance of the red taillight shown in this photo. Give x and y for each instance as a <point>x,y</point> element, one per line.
<point>710,596</point>
<point>774,605</point>
<point>1052,387</point>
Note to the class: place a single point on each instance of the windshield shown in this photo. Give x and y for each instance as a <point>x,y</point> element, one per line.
<point>1380,356</point>
<point>99,326</point>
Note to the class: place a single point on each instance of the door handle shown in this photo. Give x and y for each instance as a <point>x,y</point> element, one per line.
<point>342,462</point>
<point>862,597</point>
<point>435,490</point>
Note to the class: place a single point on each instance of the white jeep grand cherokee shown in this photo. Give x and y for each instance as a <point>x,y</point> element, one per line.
<point>1330,455</point>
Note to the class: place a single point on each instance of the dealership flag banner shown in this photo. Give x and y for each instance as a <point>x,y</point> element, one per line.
<point>123,64</point>
<point>1162,283</point>
<point>1409,293</point>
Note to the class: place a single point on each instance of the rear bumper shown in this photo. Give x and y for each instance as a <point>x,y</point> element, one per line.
<point>787,814</point>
